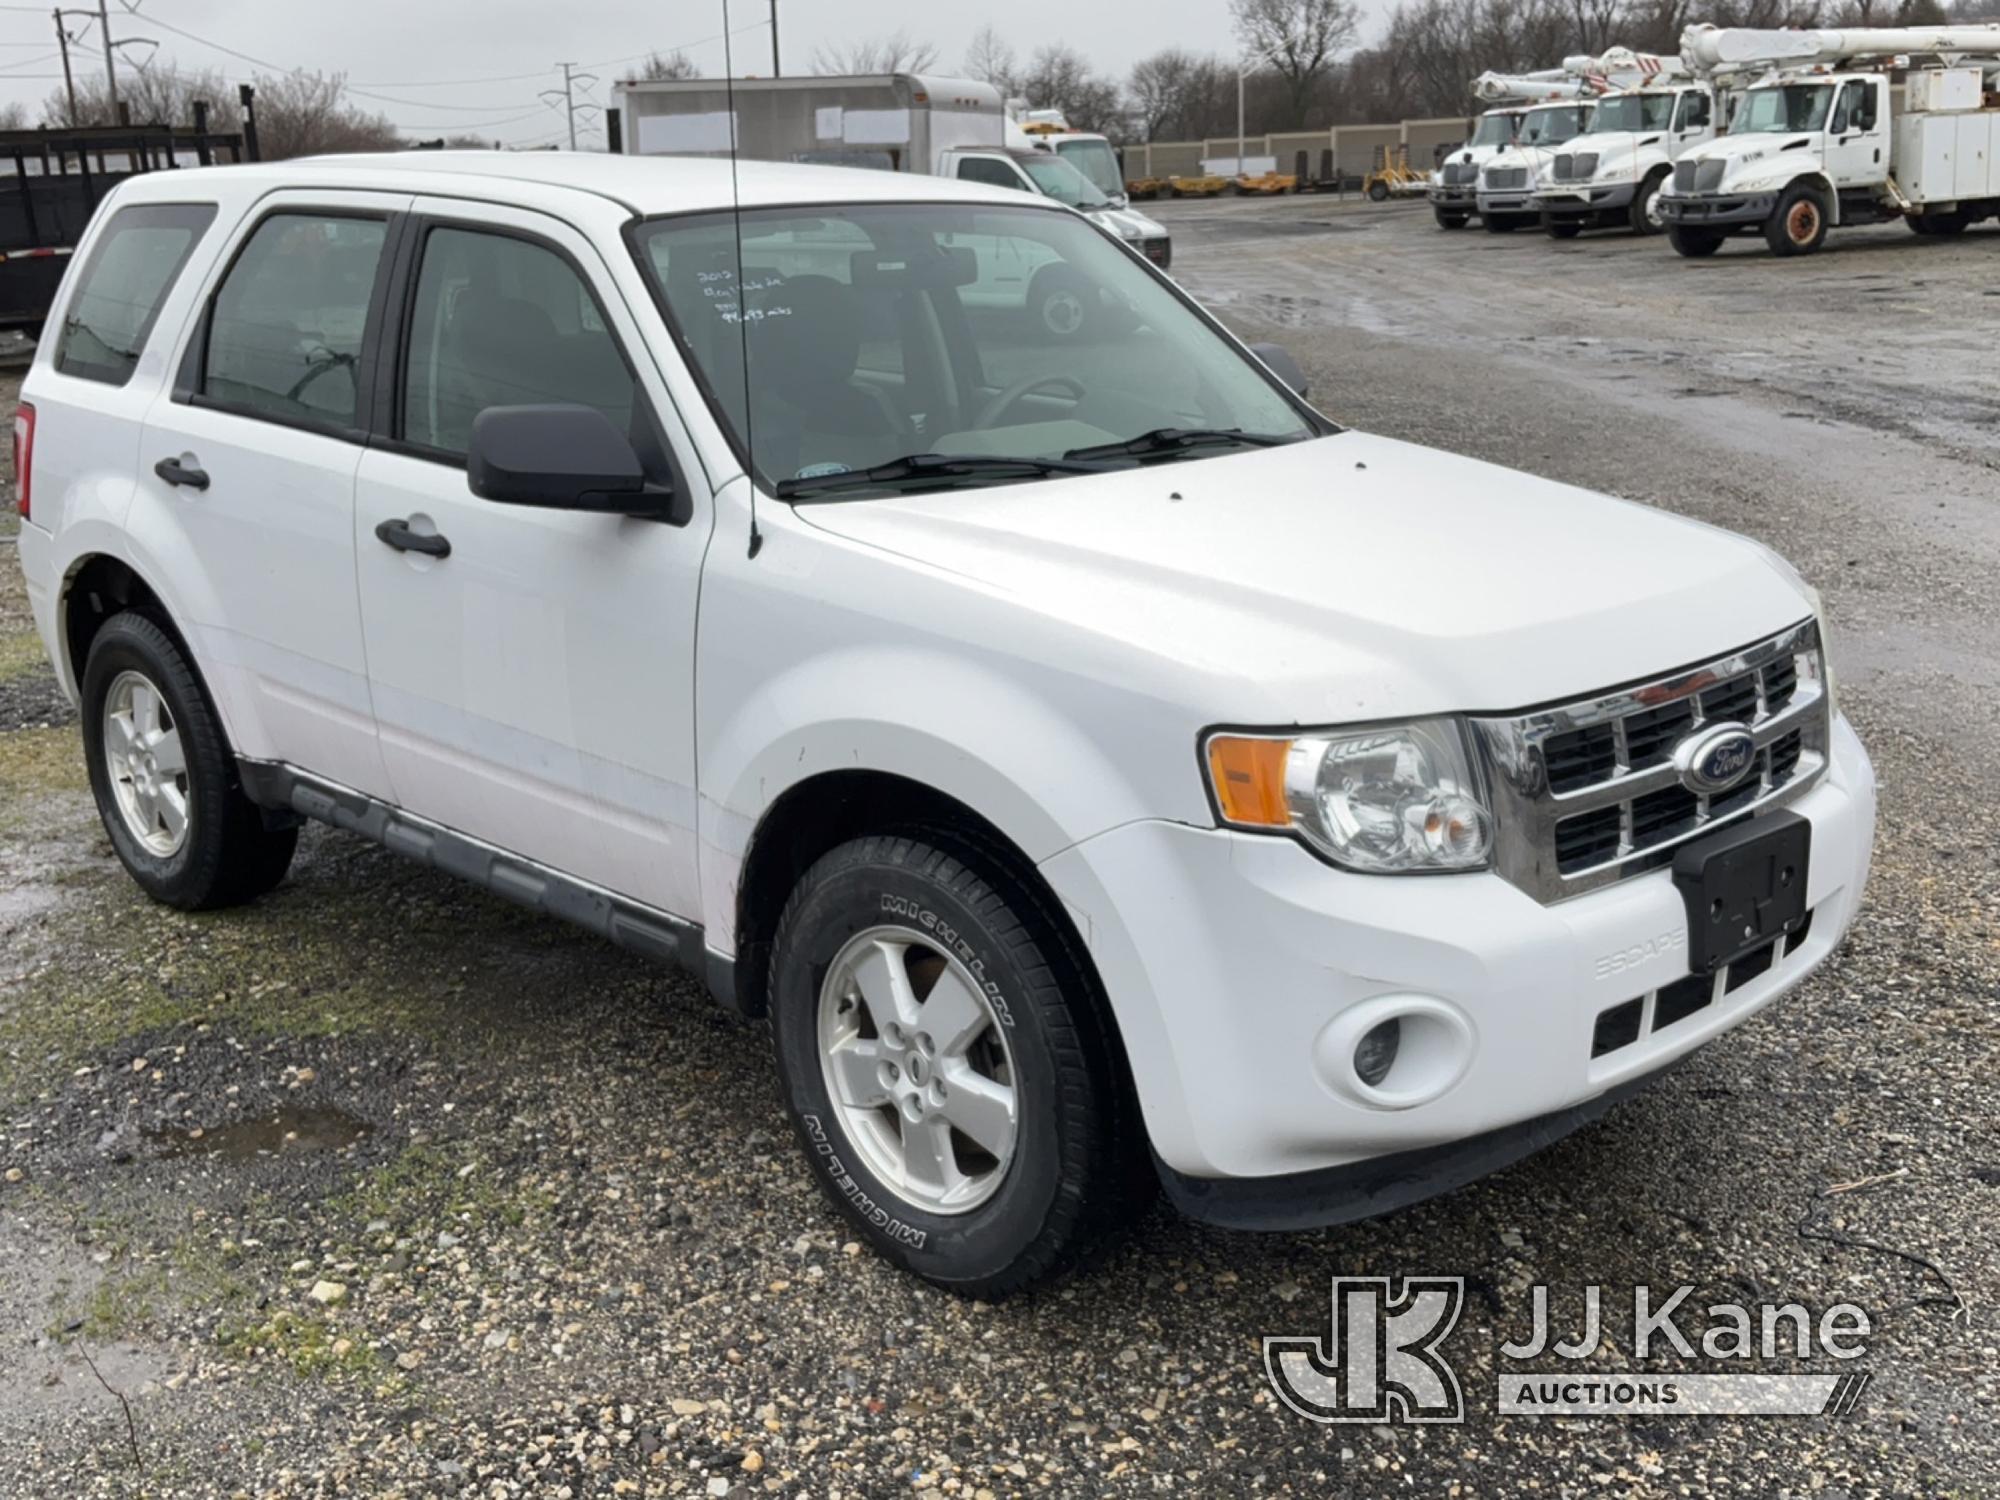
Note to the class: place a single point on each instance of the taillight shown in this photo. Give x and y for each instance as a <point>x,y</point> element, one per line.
<point>24,454</point>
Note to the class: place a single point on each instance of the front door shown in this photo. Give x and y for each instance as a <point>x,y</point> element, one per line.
<point>1694,122</point>
<point>1857,135</point>
<point>257,445</point>
<point>534,688</point>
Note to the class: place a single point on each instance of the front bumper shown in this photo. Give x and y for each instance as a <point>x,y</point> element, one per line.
<point>1718,208</point>
<point>1507,203</point>
<point>1457,196</point>
<point>1238,966</point>
<point>1584,201</point>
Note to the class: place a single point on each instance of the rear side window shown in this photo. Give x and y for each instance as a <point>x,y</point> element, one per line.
<point>284,335</point>
<point>132,267</point>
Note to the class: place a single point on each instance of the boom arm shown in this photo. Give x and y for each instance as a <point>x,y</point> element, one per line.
<point>1580,77</point>
<point>1714,49</point>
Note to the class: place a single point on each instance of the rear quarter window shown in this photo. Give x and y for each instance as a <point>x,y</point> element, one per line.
<point>131,268</point>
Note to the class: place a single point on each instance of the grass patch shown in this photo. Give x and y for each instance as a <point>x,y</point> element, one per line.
<point>40,762</point>
<point>310,1345</point>
<point>21,654</point>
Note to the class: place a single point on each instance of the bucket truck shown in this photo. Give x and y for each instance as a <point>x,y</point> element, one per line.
<point>1454,191</point>
<point>1611,176</point>
<point>1815,142</point>
<point>1508,180</point>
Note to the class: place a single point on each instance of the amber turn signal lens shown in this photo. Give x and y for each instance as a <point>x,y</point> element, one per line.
<point>1249,780</point>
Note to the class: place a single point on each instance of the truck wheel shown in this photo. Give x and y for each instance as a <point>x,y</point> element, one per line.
<point>1797,226</point>
<point>1562,229</point>
<point>1060,302</point>
<point>1939,226</point>
<point>1378,192</point>
<point>949,1073</point>
<point>1695,244</point>
<point>164,778</point>
<point>1448,221</point>
<point>1646,217</point>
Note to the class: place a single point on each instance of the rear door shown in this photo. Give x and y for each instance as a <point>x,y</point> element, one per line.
<point>535,686</point>
<point>247,466</point>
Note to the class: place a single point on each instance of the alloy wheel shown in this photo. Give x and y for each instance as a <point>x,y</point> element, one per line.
<point>914,1056</point>
<point>146,764</point>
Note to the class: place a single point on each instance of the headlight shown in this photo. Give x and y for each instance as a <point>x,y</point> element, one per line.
<point>1395,799</point>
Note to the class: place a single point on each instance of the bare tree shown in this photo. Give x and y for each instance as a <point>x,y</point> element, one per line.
<point>1300,38</point>
<point>990,59</point>
<point>160,94</point>
<point>668,65</point>
<point>13,116</point>
<point>1060,77</point>
<point>898,52</point>
<point>307,114</point>
<point>1179,95</point>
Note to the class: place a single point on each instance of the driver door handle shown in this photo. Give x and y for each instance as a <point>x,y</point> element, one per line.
<point>396,532</point>
<point>181,475</point>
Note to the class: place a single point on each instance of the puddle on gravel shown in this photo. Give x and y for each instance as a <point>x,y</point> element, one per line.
<point>287,1130</point>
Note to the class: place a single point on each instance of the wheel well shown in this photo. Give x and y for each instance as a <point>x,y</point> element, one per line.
<point>99,589</point>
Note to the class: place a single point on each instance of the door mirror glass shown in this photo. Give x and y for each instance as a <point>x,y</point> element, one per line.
<point>1281,364</point>
<point>559,457</point>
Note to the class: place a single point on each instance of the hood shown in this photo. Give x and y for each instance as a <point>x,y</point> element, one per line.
<point>1124,223</point>
<point>1764,145</point>
<point>1332,580</point>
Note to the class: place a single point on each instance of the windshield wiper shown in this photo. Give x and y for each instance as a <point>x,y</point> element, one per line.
<point>938,468</point>
<point>1167,441</point>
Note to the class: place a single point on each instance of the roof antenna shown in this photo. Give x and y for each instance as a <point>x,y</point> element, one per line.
<point>742,297</point>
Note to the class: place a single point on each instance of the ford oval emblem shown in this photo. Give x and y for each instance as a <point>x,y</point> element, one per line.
<point>1716,758</point>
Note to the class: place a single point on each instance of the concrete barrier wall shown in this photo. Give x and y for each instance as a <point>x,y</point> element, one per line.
<point>1425,137</point>
<point>1353,147</point>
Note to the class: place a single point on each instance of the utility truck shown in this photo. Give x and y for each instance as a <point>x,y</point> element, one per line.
<point>1611,176</point>
<point>1817,139</point>
<point>1507,181</point>
<point>899,122</point>
<point>1454,191</point>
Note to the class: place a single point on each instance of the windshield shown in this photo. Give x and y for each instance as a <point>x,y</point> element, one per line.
<point>1059,180</point>
<point>1552,125</point>
<point>1634,112</point>
<point>1495,130</point>
<point>885,330</point>
<point>1795,106</point>
<point>1097,161</point>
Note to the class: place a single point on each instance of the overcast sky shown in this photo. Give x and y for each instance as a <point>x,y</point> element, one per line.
<point>443,65</point>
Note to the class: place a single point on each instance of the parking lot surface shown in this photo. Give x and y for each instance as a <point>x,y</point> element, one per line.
<point>381,1185</point>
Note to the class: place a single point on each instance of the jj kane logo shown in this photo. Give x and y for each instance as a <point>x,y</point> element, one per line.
<point>1380,1361</point>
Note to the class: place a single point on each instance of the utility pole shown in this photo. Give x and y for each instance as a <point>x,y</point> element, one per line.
<point>110,65</point>
<point>69,83</point>
<point>567,93</point>
<point>776,71</point>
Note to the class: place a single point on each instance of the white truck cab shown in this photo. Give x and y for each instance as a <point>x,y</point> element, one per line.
<point>1508,182</point>
<point>1454,191</point>
<point>1611,175</point>
<point>1044,735</point>
<point>1816,138</point>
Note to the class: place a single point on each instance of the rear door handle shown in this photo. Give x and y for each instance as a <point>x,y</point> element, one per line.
<point>184,475</point>
<point>396,532</point>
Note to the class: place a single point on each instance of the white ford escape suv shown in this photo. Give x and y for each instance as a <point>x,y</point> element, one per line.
<point>1101,768</point>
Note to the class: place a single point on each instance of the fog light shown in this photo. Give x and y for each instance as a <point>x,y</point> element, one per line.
<point>1376,1054</point>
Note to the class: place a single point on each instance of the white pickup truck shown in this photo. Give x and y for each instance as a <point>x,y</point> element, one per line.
<point>1103,770</point>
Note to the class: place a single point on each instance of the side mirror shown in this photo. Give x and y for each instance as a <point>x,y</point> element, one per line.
<point>560,457</point>
<point>1278,359</point>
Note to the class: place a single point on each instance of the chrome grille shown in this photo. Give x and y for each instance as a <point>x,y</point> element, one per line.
<point>1459,173</point>
<point>1501,179</point>
<point>1586,165</point>
<point>1698,176</point>
<point>1684,176</point>
<point>1588,793</point>
<point>1562,169</point>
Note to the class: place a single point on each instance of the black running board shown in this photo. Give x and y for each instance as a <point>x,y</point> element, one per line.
<point>630,924</point>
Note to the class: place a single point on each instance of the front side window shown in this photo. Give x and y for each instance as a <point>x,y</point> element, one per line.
<point>989,171</point>
<point>133,265</point>
<point>284,336</point>
<point>1694,111</point>
<point>503,321</point>
<point>1059,180</point>
<point>992,333</point>
<point>1495,130</point>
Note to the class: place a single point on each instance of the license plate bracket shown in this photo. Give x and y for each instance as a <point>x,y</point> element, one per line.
<point>1743,887</point>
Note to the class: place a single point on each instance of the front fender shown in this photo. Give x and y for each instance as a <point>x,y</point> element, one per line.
<point>933,717</point>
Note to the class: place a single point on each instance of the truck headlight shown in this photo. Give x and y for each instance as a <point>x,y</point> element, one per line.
<point>1391,799</point>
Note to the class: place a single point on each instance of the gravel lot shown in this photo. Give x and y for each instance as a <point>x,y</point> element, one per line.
<point>382,1186</point>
